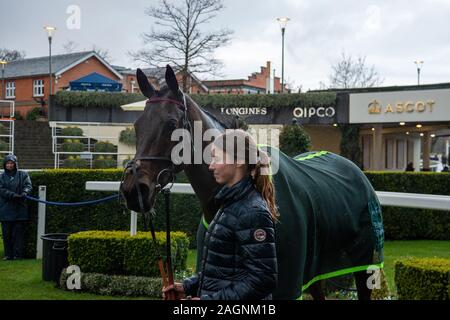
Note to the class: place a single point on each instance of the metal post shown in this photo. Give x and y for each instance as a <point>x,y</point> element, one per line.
<point>282,59</point>
<point>50,64</point>
<point>133,223</point>
<point>418,76</point>
<point>3,82</point>
<point>41,221</point>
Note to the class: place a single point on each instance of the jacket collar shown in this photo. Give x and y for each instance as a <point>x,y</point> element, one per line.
<point>236,192</point>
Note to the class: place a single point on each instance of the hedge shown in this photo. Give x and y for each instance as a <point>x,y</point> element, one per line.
<point>109,285</point>
<point>68,185</point>
<point>409,223</point>
<point>423,279</point>
<point>119,285</point>
<point>68,99</point>
<point>118,253</point>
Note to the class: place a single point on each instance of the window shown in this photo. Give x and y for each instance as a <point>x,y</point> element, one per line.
<point>10,90</point>
<point>389,154</point>
<point>38,88</point>
<point>401,154</point>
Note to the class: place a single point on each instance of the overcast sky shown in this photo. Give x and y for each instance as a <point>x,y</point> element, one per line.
<point>391,34</point>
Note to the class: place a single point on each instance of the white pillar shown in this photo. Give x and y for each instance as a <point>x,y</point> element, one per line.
<point>417,147</point>
<point>41,221</point>
<point>133,223</point>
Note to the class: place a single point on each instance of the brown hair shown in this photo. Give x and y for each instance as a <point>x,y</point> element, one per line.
<point>257,161</point>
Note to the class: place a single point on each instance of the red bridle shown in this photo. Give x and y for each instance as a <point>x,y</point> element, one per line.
<point>179,104</point>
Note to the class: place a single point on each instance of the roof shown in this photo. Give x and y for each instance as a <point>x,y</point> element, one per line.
<point>389,88</point>
<point>158,73</point>
<point>60,64</point>
<point>95,77</point>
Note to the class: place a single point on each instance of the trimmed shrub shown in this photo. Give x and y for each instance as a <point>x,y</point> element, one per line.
<point>294,140</point>
<point>110,285</point>
<point>101,162</point>
<point>74,162</point>
<point>70,145</point>
<point>409,223</point>
<point>116,252</point>
<point>72,131</point>
<point>104,146</point>
<point>4,146</point>
<point>34,113</point>
<point>423,279</point>
<point>128,137</point>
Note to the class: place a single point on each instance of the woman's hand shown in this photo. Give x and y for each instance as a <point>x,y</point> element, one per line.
<point>177,289</point>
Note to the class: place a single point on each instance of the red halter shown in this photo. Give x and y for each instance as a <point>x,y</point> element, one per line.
<point>179,104</point>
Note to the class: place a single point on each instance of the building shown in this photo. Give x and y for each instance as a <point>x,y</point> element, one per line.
<point>400,124</point>
<point>259,82</point>
<point>27,80</point>
<point>156,76</point>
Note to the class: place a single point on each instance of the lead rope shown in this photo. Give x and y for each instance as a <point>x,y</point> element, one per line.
<point>165,281</point>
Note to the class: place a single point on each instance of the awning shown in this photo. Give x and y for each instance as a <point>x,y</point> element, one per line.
<point>95,82</point>
<point>135,106</point>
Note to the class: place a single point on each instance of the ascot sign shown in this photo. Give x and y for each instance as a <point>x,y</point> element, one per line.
<point>431,105</point>
<point>375,107</point>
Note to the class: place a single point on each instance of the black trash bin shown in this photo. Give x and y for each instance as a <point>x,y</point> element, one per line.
<point>54,255</point>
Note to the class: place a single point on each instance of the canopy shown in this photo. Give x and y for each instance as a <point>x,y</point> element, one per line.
<point>95,82</point>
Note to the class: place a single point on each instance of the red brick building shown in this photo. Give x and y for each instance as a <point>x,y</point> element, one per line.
<point>259,82</point>
<point>27,81</point>
<point>156,76</point>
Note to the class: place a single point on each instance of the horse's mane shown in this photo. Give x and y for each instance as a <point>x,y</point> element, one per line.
<point>213,117</point>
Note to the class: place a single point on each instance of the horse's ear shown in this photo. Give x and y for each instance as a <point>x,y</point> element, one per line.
<point>145,86</point>
<point>171,80</point>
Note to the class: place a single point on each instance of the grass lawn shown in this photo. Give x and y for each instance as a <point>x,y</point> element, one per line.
<point>23,279</point>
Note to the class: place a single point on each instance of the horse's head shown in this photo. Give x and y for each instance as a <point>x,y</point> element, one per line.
<point>151,168</point>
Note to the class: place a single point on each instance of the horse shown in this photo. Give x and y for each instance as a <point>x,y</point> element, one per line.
<point>315,238</point>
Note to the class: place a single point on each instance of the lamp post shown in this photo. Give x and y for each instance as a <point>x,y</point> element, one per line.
<point>283,22</point>
<point>3,63</point>
<point>50,31</point>
<point>418,64</point>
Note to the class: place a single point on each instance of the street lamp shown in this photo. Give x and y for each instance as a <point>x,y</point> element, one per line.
<point>283,22</point>
<point>3,63</point>
<point>50,31</point>
<point>418,64</point>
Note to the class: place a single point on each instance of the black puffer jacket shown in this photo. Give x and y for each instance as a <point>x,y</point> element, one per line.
<point>239,257</point>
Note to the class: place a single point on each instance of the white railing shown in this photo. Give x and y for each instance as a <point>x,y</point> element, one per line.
<point>91,134</point>
<point>7,122</point>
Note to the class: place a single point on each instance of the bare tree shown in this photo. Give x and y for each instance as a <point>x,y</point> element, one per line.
<point>70,46</point>
<point>353,73</point>
<point>10,55</point>
<point>180,40</point>
<point>104,53</point>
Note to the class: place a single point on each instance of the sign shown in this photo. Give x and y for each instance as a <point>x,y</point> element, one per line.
<point>400,106</point>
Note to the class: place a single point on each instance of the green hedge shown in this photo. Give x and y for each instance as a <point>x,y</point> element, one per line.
<point>72,131</point>
<point>409,223</point>
<point>116,285</point>
<point>68,99</point>
<point>423,279</point>
<point>128,137</point>
<point>68,185</point>
<point>116,252</point>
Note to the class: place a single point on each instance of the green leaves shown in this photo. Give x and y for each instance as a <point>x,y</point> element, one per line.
<point>423,279</point>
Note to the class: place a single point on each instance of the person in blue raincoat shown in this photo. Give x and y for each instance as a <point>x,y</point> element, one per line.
<point>15,184</point>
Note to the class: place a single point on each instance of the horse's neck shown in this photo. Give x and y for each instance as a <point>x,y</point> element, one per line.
<point>201,179</point>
